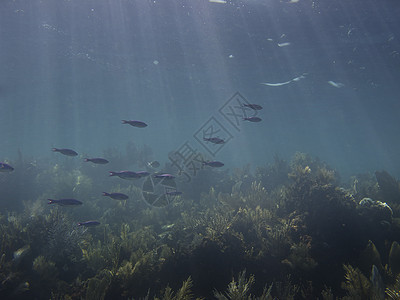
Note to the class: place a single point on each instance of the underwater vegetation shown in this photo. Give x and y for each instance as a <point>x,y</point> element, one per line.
<point>288,230</point>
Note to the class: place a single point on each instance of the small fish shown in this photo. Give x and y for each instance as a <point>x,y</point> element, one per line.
<point>214,164</point>
<point>126,175</point>
<point>143,174</point>
<point>116,196</point>
<point>89,223</point>
<point>67,152</point>
<point>214,140</point>
<point>5,167</point>
<point>97,160</point>
<point>65,202</point>
<point>253,106</point>
<point>133,123</point>
<point>252,119</point>
<point>153,164</point>
<point>164,176</point>
<point>173,193</point>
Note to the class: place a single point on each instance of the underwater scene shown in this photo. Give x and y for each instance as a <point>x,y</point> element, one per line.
<point>199,149</point>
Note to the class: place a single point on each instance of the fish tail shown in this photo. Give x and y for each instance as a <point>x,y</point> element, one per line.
<point>80,223</point>
<point>106,194</point>
<point>112,173</point>
<point>54,149</point>
<point>124,121</point>
<point>87,159</point>
<point>51,201</point>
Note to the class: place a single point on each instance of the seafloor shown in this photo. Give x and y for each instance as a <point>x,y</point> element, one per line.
<point>287,230</point>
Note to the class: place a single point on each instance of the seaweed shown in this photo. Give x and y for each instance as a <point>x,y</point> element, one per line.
<point>240,289</point>
<point>288,218</point>
<point>393,292</point>
<point>356,284</point>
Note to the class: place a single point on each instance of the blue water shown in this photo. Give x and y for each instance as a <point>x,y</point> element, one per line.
<point>72,70</point>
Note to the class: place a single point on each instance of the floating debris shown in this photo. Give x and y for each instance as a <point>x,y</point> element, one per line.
<point>286,82</point>
<point>276,84</point>
<point>217,1</point>
<point>336,84</point>
<point>284,44</point>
